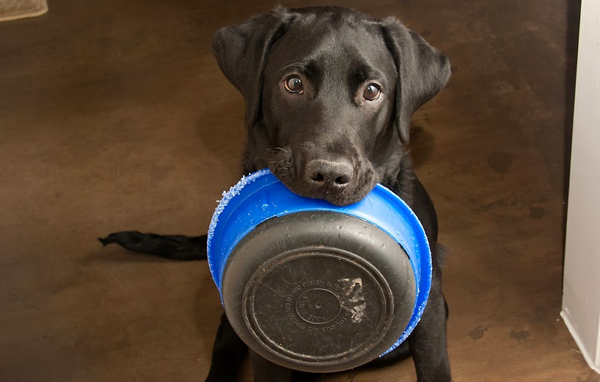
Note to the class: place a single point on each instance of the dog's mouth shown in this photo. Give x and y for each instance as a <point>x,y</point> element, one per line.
<point>303,182</point>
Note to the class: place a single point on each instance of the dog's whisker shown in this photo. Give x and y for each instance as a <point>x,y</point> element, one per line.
<point>278,163</point>
<point>284,150</point>
<point>277,149</point>
<point>257,158</point>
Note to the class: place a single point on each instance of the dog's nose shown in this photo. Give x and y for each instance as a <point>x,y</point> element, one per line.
<point>334,176</point>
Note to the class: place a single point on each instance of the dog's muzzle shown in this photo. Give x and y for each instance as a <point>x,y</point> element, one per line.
<point>315,287</point>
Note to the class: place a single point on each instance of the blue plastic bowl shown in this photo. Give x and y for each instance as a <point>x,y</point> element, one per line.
<point>260,198</point>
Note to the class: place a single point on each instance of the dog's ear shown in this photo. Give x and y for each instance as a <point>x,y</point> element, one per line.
<point>422,71</point>
<point>242,50</point>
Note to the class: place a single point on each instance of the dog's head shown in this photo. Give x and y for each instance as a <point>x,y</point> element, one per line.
<point>329,95</point>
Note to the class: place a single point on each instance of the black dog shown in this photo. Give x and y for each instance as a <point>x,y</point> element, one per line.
<point>329,97</point>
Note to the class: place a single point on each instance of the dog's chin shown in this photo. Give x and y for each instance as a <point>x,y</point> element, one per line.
<point>347,198</point>
<point>344,198</point>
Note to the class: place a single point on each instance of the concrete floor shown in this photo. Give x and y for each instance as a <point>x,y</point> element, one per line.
<point>113,115</point>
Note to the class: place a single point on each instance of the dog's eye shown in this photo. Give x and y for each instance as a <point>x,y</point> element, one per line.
<point>293,84</point>
<point>372,92</point>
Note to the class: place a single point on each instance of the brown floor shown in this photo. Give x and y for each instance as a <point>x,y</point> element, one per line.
<point>113,113</point>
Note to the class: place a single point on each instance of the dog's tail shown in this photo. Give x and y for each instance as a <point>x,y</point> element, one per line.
<point>176,247</point>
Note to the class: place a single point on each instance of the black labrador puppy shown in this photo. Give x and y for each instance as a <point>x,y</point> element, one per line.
<point>329,97</point>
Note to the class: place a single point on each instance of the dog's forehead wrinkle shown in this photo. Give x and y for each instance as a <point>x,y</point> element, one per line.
<point>357,63</point>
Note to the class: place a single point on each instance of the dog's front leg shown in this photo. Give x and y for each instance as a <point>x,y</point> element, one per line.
<point>228,354</point>
<point>428,340</point>
<point>267,371</point>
